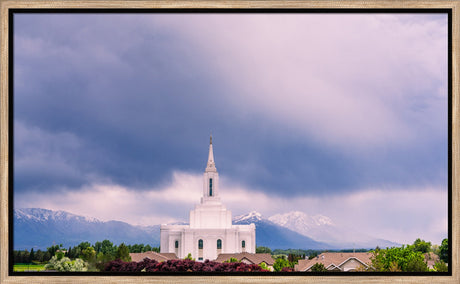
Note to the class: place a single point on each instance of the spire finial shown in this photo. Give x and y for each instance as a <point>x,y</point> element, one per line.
<point>211,155</point>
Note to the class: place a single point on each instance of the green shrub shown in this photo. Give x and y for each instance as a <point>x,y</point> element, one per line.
<point>232,259</point>
<point>264,266</point>
<point>280,263</point>
<point>65,264</point>
<point>441,266</point>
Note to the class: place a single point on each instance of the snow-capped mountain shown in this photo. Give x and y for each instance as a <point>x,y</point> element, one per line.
<point>318,227</point>
<point>322,228</point>
<point>41,215</point>
<point>274,236</point>
<point>40,228</point>
<point>301,221</point>
<point>251,217</point>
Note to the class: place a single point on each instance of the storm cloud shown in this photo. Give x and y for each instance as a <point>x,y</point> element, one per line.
<point>299,105</point>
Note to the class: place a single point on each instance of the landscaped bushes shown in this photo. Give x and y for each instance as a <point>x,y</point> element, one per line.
<point>177,265</point>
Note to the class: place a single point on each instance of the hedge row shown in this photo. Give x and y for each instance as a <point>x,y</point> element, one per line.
<point>177,265</point>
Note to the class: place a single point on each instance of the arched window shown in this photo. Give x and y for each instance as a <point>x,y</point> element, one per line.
<point>200,244</point>
<point>243,244</point>
<point>219,244</point>
<point>210,187</point>
<point>176,244</point>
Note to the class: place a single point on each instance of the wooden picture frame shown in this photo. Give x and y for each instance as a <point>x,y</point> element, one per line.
<point>5,117</point>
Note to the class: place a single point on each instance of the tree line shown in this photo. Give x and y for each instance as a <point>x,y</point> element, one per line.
<point>409,258</point>
<point>104,251</point>
<point>96,257</point>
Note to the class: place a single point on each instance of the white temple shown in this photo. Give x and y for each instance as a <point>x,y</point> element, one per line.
<point>210,231</point>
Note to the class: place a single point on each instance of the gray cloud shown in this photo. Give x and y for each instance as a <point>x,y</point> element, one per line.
<point>127,99</point>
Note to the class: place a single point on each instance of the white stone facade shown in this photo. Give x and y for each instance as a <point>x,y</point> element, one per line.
<point>210,231</point>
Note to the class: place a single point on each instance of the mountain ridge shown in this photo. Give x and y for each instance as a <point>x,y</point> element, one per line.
<point>32,227</point>
<point>323,228</point>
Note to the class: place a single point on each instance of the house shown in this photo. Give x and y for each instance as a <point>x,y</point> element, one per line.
<point>430,259</point>
<point>248,258</point>
<point>137,257</point>
<point>211,231</point>
<point>337,261</point>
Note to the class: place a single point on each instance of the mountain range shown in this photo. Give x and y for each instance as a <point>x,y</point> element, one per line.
<point>40,228</point>
<point>322,228</point>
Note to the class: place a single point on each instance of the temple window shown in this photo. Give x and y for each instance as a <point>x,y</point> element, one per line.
<point>210,187</point>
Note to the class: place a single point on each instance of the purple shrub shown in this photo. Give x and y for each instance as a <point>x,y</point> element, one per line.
<point>180,265</point>
<point>287,269</point>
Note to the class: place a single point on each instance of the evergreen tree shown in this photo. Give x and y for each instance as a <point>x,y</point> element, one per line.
<point>422,246</point>
<point>98,247</point>
<point>444,251</point>
<point>123,253</point>
<point>318,267</point>
<point>40,256</point>
<point>263,250</point>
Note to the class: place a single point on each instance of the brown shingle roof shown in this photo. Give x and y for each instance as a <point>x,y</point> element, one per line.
<point>256,258</point>
<point>333,259</point>
<point>152,255</point>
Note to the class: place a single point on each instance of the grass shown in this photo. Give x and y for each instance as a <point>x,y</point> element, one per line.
<point>21,267</point>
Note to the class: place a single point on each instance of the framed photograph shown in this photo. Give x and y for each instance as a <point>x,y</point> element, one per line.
<point>242,141</point>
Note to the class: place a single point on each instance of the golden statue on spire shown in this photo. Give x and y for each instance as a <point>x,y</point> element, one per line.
<point>210,138</point>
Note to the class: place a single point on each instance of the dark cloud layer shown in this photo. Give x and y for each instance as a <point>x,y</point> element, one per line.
<point>127,100</point>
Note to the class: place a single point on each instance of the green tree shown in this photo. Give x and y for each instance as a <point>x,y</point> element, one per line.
<point>280,263</point>
<point>416,264</point>
<point>294,259</point>
<point>318,267</point>
<point>123,253</point>
<point>32,255</point>
<point>444,251</point>
<point>232,259</point>
<point>107,248</point>
<point>46,256</point>
<point>394,267</point>
<point>59,255</point>
<point>398,258</point>
<point>83,245</point>
<point>40,256</point>
<point>422,246</point>
<point>88,254</point>
<point>52,250</point>
<point>263,250</point>
<point>98,247</point>
<point>441,266</point>
<point>75,252</point>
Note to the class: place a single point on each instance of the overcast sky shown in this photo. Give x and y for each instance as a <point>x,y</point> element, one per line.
<point>343,115</point>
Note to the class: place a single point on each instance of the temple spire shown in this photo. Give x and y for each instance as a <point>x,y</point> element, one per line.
<point>211,164</point>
